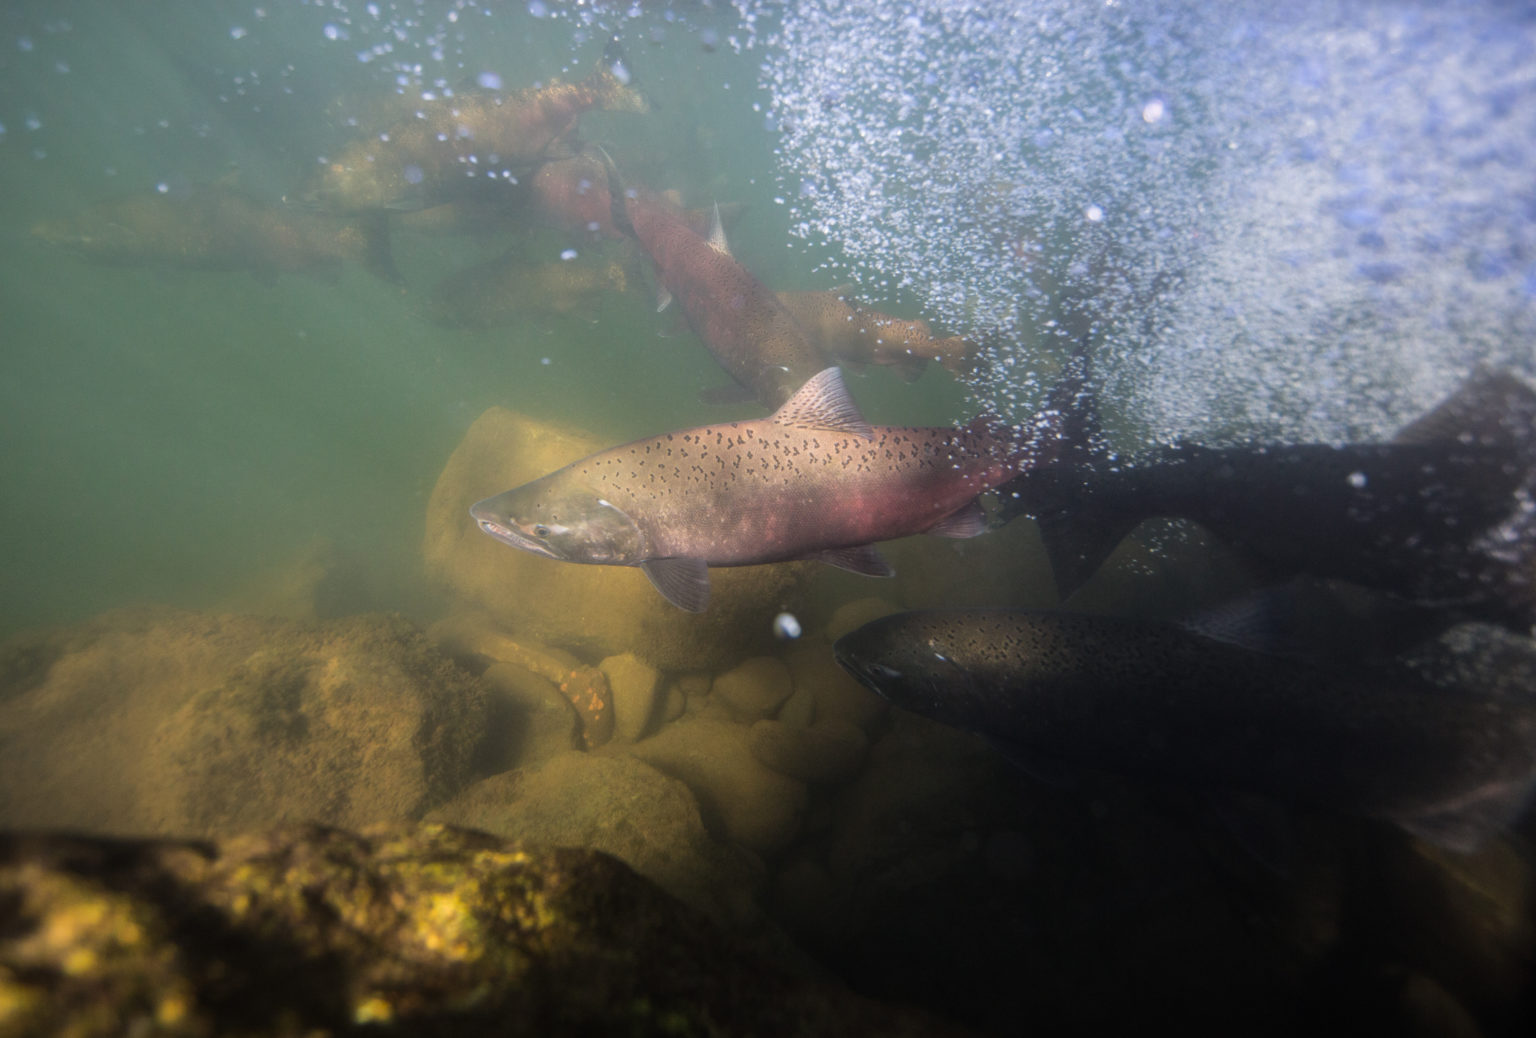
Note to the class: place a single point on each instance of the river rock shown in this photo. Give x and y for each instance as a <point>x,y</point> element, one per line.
<point>754,688</point>
<point>164,721</point>
<point>476,637</point>
<point>674,702</point>
<point>838,693</point>
<point>799,710</point>
<point>537,721</point>
<point>740,798</point>
<point>409,930</point>
<point>828,752</point>
<point>623,806</point>
<point>634,685</point>
<point>595,611</point>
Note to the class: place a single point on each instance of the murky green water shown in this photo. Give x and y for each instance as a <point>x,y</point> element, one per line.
<point>170,434</point>
<point>1251,241</point>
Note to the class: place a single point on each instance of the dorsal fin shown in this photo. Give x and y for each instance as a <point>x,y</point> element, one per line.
<point>717,232</point>
<point>823,403</point>
<point>1492,407</point>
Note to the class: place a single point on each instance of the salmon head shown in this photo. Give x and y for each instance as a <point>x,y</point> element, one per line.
<point>559,518</point>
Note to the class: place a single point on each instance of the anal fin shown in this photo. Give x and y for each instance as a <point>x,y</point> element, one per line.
<point>966,521</point>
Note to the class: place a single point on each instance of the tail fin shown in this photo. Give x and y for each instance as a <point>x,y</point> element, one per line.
<point>1070,445</point>
<point>618,194</point>
<point>1076,544</point>
<point>378,259</point>
<point>1491,407</point>
<point>1066,433</point>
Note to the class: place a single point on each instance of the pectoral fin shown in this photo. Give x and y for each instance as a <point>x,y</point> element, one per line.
<point>966,521</point>
<point>861,558</point>
<point>683,582</point>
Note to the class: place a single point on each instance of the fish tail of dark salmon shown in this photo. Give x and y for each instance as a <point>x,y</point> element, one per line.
<point>1059,443</point>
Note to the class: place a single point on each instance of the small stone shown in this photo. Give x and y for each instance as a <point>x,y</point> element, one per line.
<point>740,798</point>
<point>838,694</point>
<point>531,721</point>
<point>799,710</point>
<point>474,636</point>
<point>755,688</point>
<point>823,753</point>
<point>633,684</point>
<point>674,703</point>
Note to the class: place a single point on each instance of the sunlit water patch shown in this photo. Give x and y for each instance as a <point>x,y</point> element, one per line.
<point>1303,221</point>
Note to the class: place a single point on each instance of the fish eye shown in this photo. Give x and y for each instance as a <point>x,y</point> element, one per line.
<point>541,531</point>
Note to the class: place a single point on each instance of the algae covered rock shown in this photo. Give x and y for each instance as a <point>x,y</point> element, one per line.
<point>595,611</point>
<point>412,930</point>
<point>742,799</point>
<point>163,721</point>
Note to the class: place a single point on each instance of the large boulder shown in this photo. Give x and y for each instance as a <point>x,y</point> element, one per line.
<point>594,611</point>
<point>170,722</point>
<point>412,930</point>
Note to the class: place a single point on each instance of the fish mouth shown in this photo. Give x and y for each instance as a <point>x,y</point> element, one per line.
<point>875,676</point>
<point>510,535</point>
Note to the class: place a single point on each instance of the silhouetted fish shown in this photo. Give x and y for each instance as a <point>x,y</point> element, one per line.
<point>217,227</point>
<point>452,144</point>
<point>814,481</point>
<point>1154,699</point>
<point>1444,516</point>
<point>572,195</point>
<point>510,288</point>
<point>854,334</point>
<point>755,339</point>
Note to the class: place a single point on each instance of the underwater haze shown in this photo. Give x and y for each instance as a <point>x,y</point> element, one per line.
<point>282,297</point>
<point>1305,223</point>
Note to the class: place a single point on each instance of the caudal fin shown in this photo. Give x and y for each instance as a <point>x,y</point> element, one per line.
<point>618,193</point>
<point>1070,447</point>
<point>378,258</point>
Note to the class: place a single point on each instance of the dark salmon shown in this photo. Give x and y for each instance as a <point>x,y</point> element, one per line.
<point>1156,700</point>
<point>1443,516</point>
